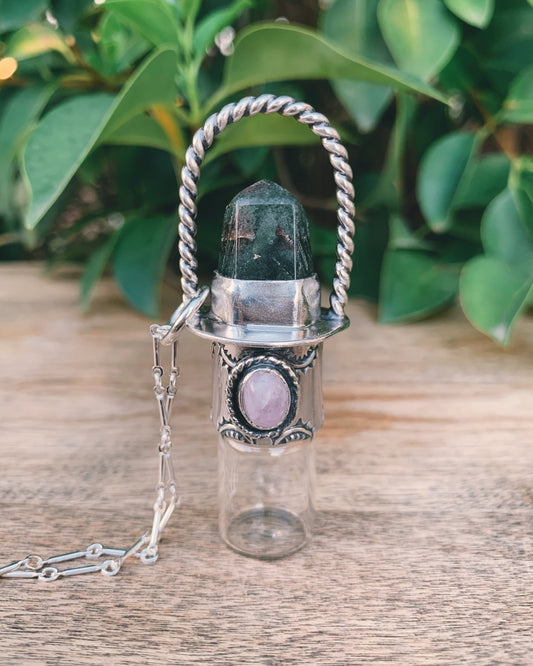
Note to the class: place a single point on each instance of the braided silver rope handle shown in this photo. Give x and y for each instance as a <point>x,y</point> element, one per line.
<point>190,174</point>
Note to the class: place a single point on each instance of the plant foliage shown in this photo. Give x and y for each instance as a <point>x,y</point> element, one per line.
<point>434,98</point>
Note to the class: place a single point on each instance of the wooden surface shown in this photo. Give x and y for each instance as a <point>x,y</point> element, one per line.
<point>423,547</point>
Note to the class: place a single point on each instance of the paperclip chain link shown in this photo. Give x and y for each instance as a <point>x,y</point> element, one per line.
<point>146,548</point>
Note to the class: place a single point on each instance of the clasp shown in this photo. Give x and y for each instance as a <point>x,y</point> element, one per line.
<point>168,334</point>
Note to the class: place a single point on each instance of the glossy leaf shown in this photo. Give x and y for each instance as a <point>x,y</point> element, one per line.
<point>17,13</point>
<point>153,20</point>
<point>20,113</point>
<point>262,130</point>
<point>353,25</point>
<point>189,8</point>
<point>413,285</point>
<point>118,47</point>
<point>68,13</point>
<point>389,190</point>
<point>440,174</point>
<point>277,52</point>
<point>57,147</point>
<point>140,258</point>
<point>508,40</point>
<point>503,233</point>
<point>494,294</point>
<point>476,12</point>
<point>36,39</point>
<point>207,29</point>
<point>402,237</point>
<point>370,248</point>
<point>141,130</point>
<point>94,269</point>
<point>484,178</point>
<point>521,188</point>
<point>421,34</point>
<point>66,135</point>
<point>518,107</point>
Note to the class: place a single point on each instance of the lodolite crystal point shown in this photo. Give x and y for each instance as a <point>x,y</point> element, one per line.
<point>265,236</point>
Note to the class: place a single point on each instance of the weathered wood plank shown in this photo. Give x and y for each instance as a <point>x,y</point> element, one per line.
<point>424,539</point>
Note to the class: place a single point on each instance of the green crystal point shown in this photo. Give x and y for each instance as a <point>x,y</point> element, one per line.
<point>265,236</point>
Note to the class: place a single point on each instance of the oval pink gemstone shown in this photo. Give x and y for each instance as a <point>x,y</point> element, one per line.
<point>264,398</point>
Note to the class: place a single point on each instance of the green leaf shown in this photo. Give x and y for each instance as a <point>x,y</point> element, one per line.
<point>153,20</point>
<point>57,147</point>
<point>372,239</point>
<point>507,43</point>
<point>69,13</point>
<point>262,130</point>
<point>494,294</point>
<point>521,188</point>
<point>94,269</point>
<point>440,174</point>
<point>19,115</point>
<point>518,107</point>
<point>421,34</point>
<point>208,28</point>
<point>402,237</point>
<point>141,130</point>
<point>118,47</point>
<point>189,8</point>
<point>277,52</point>
<point>16,13</point>
<point>476,12</point>
<point>414,285</point>
<point>390,188</point>
<point>354,27</point>
<point>247,161</point>
<point>503,233</point>
<point>66,135</point>
<point>35,39</point>
<point>140,259</point>
<point>485,177</point>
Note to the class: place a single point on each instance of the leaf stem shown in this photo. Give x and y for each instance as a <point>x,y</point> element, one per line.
<point>191,65</point>
<point>492,126</point>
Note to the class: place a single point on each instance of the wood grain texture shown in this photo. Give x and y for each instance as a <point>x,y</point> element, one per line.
<point>423,546</point>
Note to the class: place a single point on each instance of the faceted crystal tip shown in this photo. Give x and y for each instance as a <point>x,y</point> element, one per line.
<point>265,236</point>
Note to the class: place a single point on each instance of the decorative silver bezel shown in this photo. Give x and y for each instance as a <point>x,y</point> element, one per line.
<point>236,376</point>
<point>246,377</point>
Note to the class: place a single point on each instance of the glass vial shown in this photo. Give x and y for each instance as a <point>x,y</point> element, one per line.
<point>266,497</point>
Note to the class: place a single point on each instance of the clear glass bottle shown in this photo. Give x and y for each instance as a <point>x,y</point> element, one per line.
<point>266,497</point>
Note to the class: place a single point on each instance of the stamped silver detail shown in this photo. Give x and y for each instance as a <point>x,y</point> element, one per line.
<point>229,429</point>
<point>298,432</point>
<point>303,363</point>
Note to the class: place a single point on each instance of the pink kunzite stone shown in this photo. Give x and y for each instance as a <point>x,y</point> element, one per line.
<point>264,398</point>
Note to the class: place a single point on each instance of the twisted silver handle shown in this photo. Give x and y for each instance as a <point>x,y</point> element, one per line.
<point>190,174</point>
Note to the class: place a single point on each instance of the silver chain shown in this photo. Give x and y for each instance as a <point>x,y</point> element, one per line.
<point>109,561</point>
<point>146,548</point>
